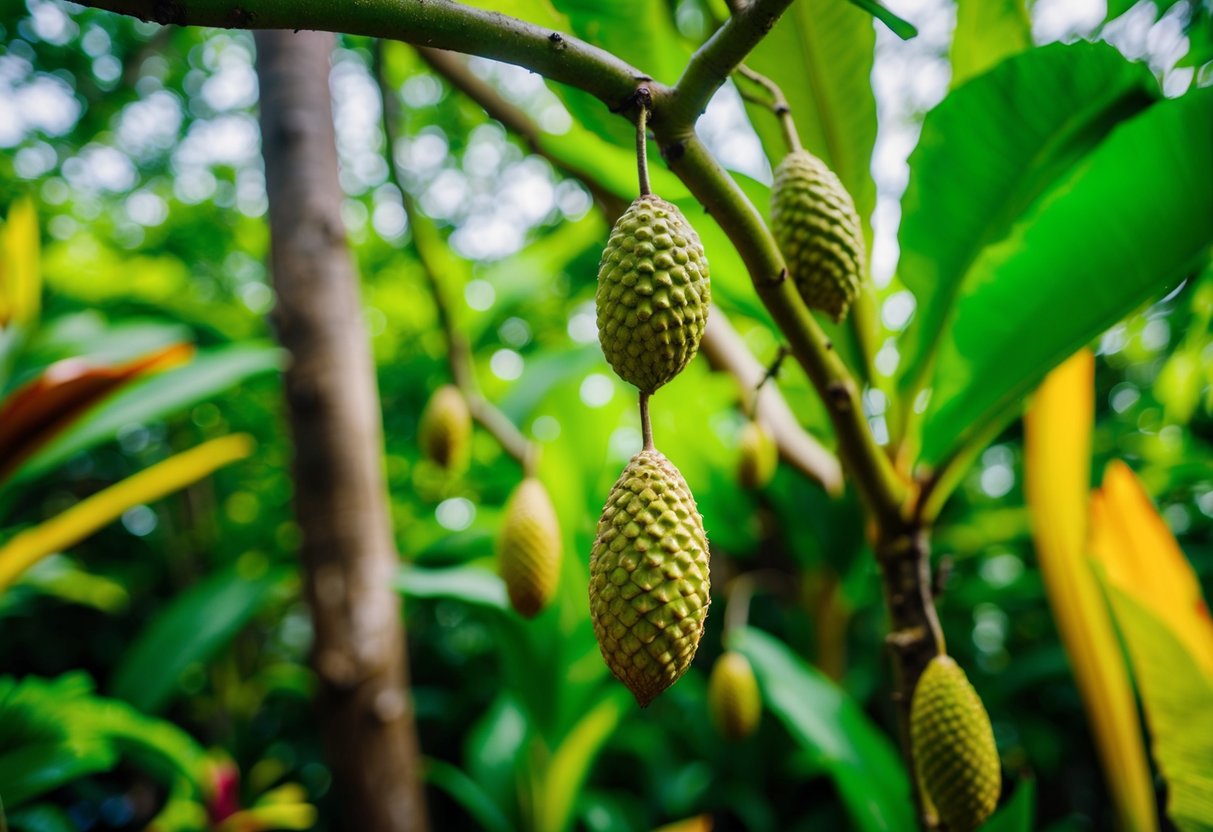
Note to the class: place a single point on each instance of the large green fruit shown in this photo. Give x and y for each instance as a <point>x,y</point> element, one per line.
<point>446,428</point>
<point>954,747</point>
<point>528,552</point>
<point>649,577</point>
<point>814,221</point>
<point>733,696</point>
<point>653,294</point>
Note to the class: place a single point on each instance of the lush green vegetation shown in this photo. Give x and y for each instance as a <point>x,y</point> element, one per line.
<point>155,670</point>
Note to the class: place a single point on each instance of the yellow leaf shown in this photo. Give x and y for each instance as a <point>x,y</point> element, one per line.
<point>1057,481</point>
<point>1142,559</point>
<point>89,515</point>
<point>38,411</point>
<point>20,277</point>
<point>1177,701</point>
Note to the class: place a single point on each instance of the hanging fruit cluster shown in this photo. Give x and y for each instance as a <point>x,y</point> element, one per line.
<point>649,583</point>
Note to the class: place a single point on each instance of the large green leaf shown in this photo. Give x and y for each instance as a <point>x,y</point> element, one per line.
<point>835,733</point>
<point>1127,224</point>
<point>209,374</point>
<point>987,31</point>
<point>191,629</point>
<point>986,154</point>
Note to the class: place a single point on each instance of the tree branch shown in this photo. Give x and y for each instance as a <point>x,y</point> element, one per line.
<point>442,24</point>
<point>726,352</point>
<point>715,61</point>
<point>459,353</point>
<point>878,484</point>
<point>721,345</point>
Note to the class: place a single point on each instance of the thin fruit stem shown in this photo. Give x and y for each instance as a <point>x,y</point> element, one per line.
<point>778,104</point>
<point>642,150</point>
<point>646,427</point>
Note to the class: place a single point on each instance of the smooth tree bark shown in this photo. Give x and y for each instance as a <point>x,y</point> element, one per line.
<point>349,558</point>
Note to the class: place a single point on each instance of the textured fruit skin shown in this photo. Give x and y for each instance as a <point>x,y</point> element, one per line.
<point>445,432</point>
<point>954,747</point>
<point>528,551</point>
<point>653,294</point>
<point>759,456</point>
<point>733,696</point>
<point>814,221</point>
<point>649,577</point>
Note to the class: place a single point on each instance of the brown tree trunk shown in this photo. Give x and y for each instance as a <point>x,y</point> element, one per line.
<point>349,558</point>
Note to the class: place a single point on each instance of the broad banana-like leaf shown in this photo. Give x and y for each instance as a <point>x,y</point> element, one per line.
<point>1159,609</point>
<point>78,522</point>
<point>1057,481</point>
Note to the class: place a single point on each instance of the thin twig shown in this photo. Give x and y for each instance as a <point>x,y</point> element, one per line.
<point>459,353</point>
<point>778,104</point>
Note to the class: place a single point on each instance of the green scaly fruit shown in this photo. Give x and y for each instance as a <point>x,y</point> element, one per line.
<point>733,696</point>
<point>649,576</point>
<point>953,746</point>
<point>446,429</point>
<point>529,551</point>
<point>814,221</point>
<point>759,456</point>
<point>653,294</point>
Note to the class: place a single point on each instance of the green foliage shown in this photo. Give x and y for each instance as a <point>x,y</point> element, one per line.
<point>56,731</point>
<point>190,630</point>
<point>1078,235</point>
<point>833,731</point>
<point>1053,192</point>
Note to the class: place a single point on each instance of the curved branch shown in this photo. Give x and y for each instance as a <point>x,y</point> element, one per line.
<point>716,60</point>
<point>878,483</point>
<point>721,346</point>
<point>459,352</point>
<point>443,24</point>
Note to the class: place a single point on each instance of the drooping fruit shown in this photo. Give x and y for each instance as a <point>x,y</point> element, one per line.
<point>733,696</point>
<point>528,551</point>
<point>954,747</point>
<point>446,428</point>
<point>653,293</point>
<point>649,576</point>
<point>814,221</point>
<point>759,456</point>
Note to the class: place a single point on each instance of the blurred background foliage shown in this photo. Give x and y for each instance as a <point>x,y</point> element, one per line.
<point>139,147</point>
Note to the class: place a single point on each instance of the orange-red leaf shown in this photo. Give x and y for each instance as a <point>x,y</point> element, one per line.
<point>35,413</point>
